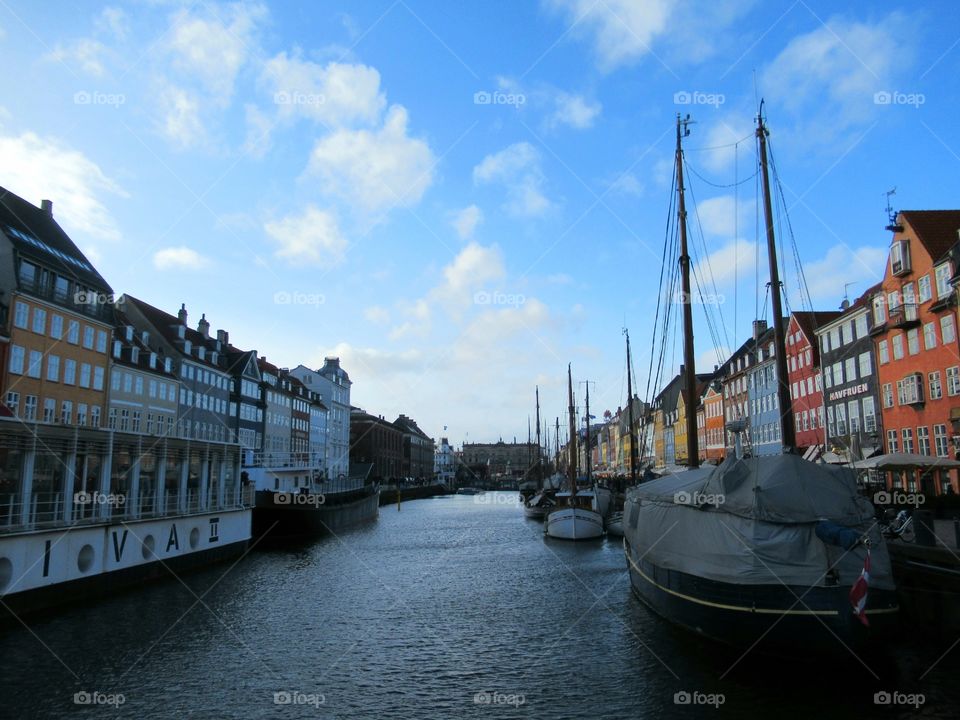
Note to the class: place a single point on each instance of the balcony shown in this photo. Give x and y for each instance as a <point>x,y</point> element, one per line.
<point>904,316</point>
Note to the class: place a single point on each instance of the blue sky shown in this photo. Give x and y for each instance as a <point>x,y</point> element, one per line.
<point>460,198</point>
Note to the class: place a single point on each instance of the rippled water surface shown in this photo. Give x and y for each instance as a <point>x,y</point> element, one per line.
<point>451,607</point>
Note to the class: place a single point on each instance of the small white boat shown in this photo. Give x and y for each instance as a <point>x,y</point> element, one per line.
<point>574,523</point>
<point>615,524</point>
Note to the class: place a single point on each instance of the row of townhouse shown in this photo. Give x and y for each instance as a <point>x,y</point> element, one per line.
<point>880,375</point>
<point>398,449</point>
<point>105,392</point>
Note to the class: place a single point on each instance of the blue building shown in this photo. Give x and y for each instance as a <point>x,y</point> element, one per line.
<point>765,428</point>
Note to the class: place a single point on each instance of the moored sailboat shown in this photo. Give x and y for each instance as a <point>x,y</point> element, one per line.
<point>576,516</point>
<point>767,552</point>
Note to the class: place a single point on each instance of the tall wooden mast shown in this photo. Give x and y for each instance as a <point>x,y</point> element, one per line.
<point>690,370</point>
<point>539,454</point>
<point>633,440</point>
<point>572,445</point>
<point>789,441</point>
<point>587,452</point>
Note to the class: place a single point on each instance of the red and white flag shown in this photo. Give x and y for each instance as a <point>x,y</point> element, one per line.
<point>858,593</point>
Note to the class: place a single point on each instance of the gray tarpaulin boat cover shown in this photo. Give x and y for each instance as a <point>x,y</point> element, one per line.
<point>752,521</point>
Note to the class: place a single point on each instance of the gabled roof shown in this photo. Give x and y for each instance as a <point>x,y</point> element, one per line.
<point>168,326</point>
<point>861,303</point>
<point>935,229</point>
<point>408,425</point>
<point>809,321</point>
<point>144,350</point>
<point>34,232</point>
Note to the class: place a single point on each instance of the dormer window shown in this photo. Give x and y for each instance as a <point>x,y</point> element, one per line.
<point>116,348</point>
<point>943,274</point>
<point>153,361</point>
<point>900,257</point>
<point>187,345</point>
<point>135,355</point>
<point>201,352</point>
<point>213,357</point>
<point>181,330</point>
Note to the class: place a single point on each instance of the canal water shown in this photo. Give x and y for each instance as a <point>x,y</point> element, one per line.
<point>453,607</point>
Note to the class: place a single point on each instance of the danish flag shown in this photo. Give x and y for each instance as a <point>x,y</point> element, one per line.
<point>858,593</point>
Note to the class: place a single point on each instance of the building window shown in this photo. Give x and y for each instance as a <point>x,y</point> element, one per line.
<point>124,420</point>
<point>898,347</point>
<point>923,440</point>
<point>30,407</point>
<point>907,435</point>
<point>887,395</point>
<point>73,332</point>
<point>81,414</point>
<point>899,257</point>
<point>884,350</point>
<point>936,390</point>
<point>85,375</point>
<point>947,329</point>
<point>95,416</point>
<point>879,311</point>
<point>940,440</point>
<point>13,402</point>
<point>953,381</point>
<point>135,426</point>
<point>913,341</point>
<point>56,326</point>
<point>17,354</point>
<point>851,369</point>
<point>892,441</point>
<point>101,341</point>
<point>36,360</point>
<point>88,337</point>
<point>853,407</point>
<point>66,412</point>
<point>98,378</point>
<point>910,390</point>
<point>943,273</point>
<point>21,315</point>
<point>69,372</point>
<point>841,419</point>
<point>865,366</point>
<point>929,336</point>
<point>112,419</point>
<point>39,321</point>
<point>923,286</point>
<point>869,415</point>
<point>49,409</point>
<point>53,368</point>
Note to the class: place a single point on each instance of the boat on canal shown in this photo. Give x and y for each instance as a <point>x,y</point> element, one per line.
<point>767,552</point>
<point>575,516</point>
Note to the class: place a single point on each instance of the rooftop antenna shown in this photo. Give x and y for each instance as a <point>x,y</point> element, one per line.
<point>846,298</point>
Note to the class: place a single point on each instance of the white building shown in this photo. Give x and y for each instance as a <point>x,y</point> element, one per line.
<point>333,384</point>
<point>444,463</point>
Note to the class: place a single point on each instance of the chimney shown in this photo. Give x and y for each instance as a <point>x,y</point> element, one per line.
<point>182,314</point>
<point>203,327</point>
<point>759,328</point>
<point>223,337</point>
<point>47,207</point>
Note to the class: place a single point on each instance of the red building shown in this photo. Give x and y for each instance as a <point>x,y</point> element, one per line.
<point>915,330</point>
<point>803,371</point>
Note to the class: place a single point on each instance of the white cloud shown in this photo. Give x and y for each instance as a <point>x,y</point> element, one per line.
<point>336,94</point>
<point>114,20</point>
<point>374,362</point>
<point>722,149</point>
<point>85,54</point>
<point>733,262</point>
<point>840,265</point>
<point>213,46</point>
<point>622,30</point>
<point>181,123</point>
<point>37,168</point>
<point>518,168</point>
<point>374,170</point>
<point>719,215</point>
<point>466,221</point>
<point>574,111</point>
<point>377,315</point>
<point>626,184</point>
<point>313,238</point>
<point>179,258</point>
<point>826,79</point>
